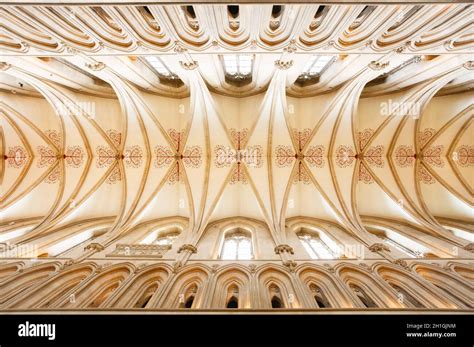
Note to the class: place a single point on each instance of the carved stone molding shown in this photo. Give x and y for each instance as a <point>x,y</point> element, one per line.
<point>187,248</point>
<point>25,45</point>
<point>67,263</point>
<point>124,250</point>
<point>252,268</point>
<point>291,265</point>
<point>283,65</point>
<point>214,268</point>
<point>402,263</point>
<point>101,268</point>
<point>469,247</point>
<point>177,265</point>
<point>377,66</point>
<point>140,267</point>
<point>4,66</point>
<point>72,50</point>
<point>189,66</point>
<point>178,48</point>
<point>378,247</point>
<point>403,48</point>
<point>291,48</point>
<point>94,246</point>
<point>329,268</point>
<point>95,66</point>
<point>284,249</point>
<point>469,65</point>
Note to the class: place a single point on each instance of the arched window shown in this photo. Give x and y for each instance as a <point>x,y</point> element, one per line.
<point>402,243</point>
<point>187,299</point>
<point>275,297</point>
<point>76,241</point>
<point>166,239</point>
<point>319,297</point>
<point>233,297</point>
<point>238,69</point>
<point>406,297</point>
<point>237,246</point>
<point>466,235</point>
<point>103,295</point>
<point>316,248</point>
<point>189,302</point>
<point>146,296</point>
<point>161,237</point>
<point>363,297</point>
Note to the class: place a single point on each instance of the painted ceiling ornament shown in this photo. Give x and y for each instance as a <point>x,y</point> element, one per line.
<point>374,156</point>
<point>377,65</point>
<point>405,156</point>
<point>16,157</point>
<point>177,137</point>
<point>238,175</point>
<point>239,137</point>
<point>284,156</point>
<point>251,156</point>
<point>164,156</point>
<point>315,156</point>
<point>425,176</point>
<point>115,176</point>
<point>283,65</point>
<point>189,65</point>
<point>133,156</point>
<point>345,156</point>
<point>364,136</point>
<point>364,175</point>
<point>176,174</point>
<point>425,135</point>
<point>105,156</point>
<point>54,176</point>
<point>302,175</point>
<point>192,156</point>
<point>96,66</point>
<point>432,156</point>
<point>301,137</point>
<point>55,137</point>
<point>115,136</point>
<point>47,156</point>
<point>74,156</point>
<point>464,156</point>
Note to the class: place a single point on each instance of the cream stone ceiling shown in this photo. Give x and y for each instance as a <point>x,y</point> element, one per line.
<point>91,135</point>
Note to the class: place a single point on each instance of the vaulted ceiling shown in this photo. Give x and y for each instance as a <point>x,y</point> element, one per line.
<point>92,132</point>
